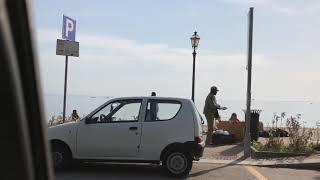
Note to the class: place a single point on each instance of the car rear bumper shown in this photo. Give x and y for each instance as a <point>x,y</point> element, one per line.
<point>196,150</point>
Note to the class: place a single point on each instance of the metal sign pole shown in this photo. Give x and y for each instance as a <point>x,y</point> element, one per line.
<point>67,47</point>
<point>247,140</point>
<point>65,90</point>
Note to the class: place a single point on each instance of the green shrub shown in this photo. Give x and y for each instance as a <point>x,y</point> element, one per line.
<point>298,138</point>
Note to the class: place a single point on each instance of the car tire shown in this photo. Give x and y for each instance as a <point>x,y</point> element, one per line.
<point>61,157</point>
<point>177,164</point>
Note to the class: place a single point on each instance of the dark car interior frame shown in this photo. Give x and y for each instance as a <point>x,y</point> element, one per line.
<point>24,148</point>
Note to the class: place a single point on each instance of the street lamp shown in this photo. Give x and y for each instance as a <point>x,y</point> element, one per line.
<point>194,42</point>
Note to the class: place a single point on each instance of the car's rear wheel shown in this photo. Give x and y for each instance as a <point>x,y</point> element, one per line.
<point>177,163</point>
<point>61,156</point>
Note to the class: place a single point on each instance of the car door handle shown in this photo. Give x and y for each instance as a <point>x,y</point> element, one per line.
<point>133,128</point>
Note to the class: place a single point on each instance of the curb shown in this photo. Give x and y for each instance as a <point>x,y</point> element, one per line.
<point>312,164</point>
<point>307,166</point>
<point>268,154</point>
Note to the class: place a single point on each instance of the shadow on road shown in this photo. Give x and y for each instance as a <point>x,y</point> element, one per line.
<point>234,151</point>
<point>104,171</point>
<point>200,173</point>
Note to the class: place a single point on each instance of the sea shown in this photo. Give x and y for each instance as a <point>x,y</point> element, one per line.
<point>309,111</point>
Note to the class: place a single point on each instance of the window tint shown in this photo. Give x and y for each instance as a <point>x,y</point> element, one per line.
<point>162,110</point>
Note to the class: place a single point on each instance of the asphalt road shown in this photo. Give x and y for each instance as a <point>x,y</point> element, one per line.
<point>199,171</point>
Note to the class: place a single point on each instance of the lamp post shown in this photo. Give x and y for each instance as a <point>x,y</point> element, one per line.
<point>194,42</point>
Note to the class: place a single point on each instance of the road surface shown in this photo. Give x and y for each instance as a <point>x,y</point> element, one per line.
<point>199,171</point>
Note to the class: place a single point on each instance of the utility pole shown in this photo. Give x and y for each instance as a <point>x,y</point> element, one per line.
<point>247,139</point>
<point>318,125</point>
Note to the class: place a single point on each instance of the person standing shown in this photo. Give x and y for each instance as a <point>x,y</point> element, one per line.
<point>211,112</point>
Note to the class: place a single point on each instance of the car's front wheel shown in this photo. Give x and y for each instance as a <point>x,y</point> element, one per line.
<point>61,156</point>
<point>177,163</point>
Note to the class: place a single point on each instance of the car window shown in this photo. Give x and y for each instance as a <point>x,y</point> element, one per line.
<point>104,112</point>
<point>118,111</point>
<point>162,110</point>
<point>128,112</point>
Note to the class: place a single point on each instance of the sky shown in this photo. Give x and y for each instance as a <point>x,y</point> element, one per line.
<point>131,48</point>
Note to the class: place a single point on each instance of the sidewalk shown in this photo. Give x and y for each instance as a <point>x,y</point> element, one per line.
<point>224,152</point>
<point>233,155</point>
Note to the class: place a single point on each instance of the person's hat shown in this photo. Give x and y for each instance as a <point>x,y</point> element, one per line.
<point>214,88</point>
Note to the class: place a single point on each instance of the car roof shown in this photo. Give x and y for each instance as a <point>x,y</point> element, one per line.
<point>151,97</point>
<point>182,100</point>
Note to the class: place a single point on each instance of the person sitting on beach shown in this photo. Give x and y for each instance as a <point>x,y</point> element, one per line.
<point>75,116</point>
<point>233,118</point>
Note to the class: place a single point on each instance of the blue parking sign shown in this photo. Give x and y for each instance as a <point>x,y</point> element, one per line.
<point>69,28</point>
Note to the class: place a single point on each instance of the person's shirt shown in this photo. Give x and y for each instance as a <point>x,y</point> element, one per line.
<point>214,101</point>
<point>75,117</point>
<point>211,105</point>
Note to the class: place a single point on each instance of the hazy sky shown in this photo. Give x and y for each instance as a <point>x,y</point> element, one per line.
<point>135,47</point>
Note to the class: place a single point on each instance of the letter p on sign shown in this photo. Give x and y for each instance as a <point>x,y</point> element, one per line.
<point>69,28</point>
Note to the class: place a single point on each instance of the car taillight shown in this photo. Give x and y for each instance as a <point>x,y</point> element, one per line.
<point>198,140</point>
